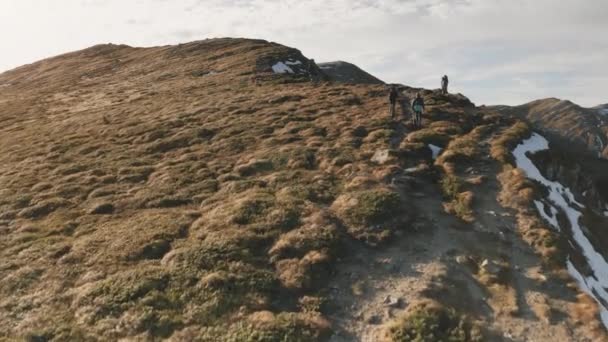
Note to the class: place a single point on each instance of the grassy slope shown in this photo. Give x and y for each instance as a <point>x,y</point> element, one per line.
<point>141,195</point>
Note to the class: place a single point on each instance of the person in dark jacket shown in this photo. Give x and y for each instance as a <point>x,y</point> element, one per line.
<point>312,70</point>
<point>393,95</point>
<point>444,84</point>
<point>418,108</point>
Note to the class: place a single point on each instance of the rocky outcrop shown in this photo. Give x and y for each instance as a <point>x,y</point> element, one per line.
<point>345,72</point>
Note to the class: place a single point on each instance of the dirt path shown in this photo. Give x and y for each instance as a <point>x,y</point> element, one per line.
<point>375,285</point>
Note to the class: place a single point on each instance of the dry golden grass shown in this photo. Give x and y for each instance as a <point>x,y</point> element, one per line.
<point>505,142</point>
<point>461,205</point>
<point>517,193</point>
<point>584,311</point>
<point>372,215</point>
<point>189,193</point>
<point>464,148</point>
<point>498,281</point>
<point>430,321</point>
<point>173,190</point>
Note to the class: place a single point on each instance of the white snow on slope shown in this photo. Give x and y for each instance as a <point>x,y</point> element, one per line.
<point>534,144</point>
<point>551,219</point>
<point>563,198</point>
<point>281,68</point>
<point>436,150</point>
<point>293,63</point>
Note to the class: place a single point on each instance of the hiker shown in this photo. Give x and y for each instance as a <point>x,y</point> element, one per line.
<point>392,100</point>
<point>444,84</point>
<point>311,69</point>
<point>404,103</point>
<point>418,107</point>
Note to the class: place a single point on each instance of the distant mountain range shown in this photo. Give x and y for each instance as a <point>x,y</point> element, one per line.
<point>584,127</point>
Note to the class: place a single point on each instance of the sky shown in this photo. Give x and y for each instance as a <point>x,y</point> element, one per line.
<point>494,51</point>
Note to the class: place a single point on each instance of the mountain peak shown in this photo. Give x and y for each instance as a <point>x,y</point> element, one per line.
<point>345,72</point>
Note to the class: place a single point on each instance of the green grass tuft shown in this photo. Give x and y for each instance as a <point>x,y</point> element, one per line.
<point>434,323</point>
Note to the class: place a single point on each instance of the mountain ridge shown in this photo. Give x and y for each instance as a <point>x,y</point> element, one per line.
<point>216,190</point>
<point>565,120</point>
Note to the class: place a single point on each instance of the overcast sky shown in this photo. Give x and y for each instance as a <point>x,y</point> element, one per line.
<point>495,51</point>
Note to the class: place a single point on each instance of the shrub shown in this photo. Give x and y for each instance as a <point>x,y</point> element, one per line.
<point>432,322</point>
<point>380,135</point>
<point>371,215</point>
<point>501,147</point>
<point>373,206</point>
<point>298,242</point>
<point>451,186</point>
<point>446,127</point>
<point>460,206</point>
<point>305,273</point>
<point>43,208</point>
<point>114,295</point>
<point>459,202</point>
<point>265,326</point>
<point>253,167</point>
<point>428,136</point>
<point>251,209</point>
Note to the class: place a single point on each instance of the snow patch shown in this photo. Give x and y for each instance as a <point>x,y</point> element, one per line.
<point>436,150</point>
<point>281,68</point>
<point>603,111</point>
<point>535,144</point>
<point>293,63</point>
<point>551,219</point>
<point>562,198</point>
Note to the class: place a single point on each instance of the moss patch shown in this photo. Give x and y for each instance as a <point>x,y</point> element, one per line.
<point>433,322</point>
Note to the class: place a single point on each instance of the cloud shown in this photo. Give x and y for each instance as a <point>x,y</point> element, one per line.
<point>495,51</point>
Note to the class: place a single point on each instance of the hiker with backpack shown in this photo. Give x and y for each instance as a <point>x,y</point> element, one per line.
<point>418,107</point>
<point>444,85</point>
<point>392,99</point>
<point>311,68</point>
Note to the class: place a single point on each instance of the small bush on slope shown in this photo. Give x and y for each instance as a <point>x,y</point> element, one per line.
<point>460,201</point>
<point>429,321</point>
<point>264,326</point>
<point>372,207</point>
<point>506,142</point>
<point>429,136</point>
<point>464,148</point>
<point>371,215</point>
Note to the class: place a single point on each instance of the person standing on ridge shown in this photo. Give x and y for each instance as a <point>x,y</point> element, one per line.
<point>418,107</point>
<point>392,99</point>
<point>311,69</point>
<point>444,85</point>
